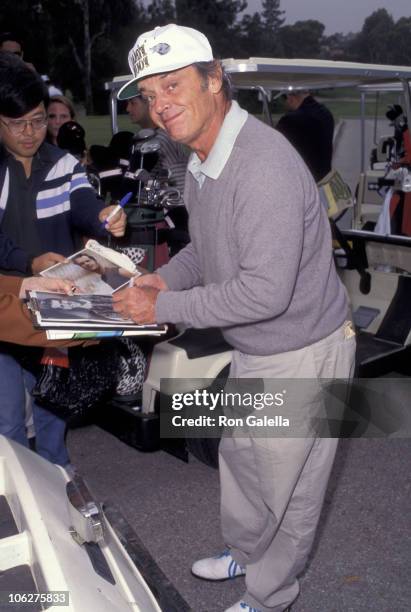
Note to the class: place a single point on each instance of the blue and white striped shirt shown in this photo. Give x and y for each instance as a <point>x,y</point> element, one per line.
<point>62,202</point>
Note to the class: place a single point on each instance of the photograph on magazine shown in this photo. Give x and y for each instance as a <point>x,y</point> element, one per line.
<point>58,310</point>
<point>95,269</point>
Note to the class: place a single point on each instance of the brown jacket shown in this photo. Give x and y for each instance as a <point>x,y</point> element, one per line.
<point>15,321</point>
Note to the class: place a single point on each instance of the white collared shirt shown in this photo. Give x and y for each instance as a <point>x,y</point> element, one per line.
<point>221,150</point>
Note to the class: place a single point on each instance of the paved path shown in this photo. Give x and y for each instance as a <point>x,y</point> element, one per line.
<point>361,558</point>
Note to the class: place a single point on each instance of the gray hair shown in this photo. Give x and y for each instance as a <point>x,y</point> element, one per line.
<point>212,69</point>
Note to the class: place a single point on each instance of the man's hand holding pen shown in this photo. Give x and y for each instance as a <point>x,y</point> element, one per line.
<point>116,225</point>
<point>138,301</point>
<point>114,218</point>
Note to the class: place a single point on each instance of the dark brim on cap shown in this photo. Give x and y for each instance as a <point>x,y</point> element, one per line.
<point>129,90</point>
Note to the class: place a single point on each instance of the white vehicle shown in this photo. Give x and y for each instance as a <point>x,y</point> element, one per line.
<point>60,549</point>
<point>376,269</point>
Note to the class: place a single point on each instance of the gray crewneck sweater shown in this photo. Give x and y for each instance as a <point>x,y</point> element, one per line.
<point>259,265</point>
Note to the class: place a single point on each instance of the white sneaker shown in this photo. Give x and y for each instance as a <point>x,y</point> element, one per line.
<point>241,606</point>
<point>222,567</point>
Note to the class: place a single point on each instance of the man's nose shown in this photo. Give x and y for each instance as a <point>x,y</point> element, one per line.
<point>28,128</point>
<point>160,104</point>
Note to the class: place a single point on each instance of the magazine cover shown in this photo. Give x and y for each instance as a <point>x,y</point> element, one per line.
<point>55,310</point>
<point>95,269</point>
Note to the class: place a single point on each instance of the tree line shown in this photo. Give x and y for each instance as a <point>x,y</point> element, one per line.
<point>81,44</point>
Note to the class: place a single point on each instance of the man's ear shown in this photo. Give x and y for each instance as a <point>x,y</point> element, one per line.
<point>216,81</point>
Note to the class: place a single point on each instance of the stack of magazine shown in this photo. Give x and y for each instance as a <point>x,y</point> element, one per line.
<point>97,272</point>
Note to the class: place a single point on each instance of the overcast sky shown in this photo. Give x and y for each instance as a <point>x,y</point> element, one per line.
<point>337,15</point>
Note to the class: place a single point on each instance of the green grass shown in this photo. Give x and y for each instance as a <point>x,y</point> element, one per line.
<point>98,128</point>
<point>347,109</point>
<point>350,106</point>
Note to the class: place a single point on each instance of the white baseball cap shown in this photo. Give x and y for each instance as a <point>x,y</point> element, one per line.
<point>164,49</point>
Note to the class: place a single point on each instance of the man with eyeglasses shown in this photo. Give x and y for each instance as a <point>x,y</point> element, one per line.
<point>45,198</point>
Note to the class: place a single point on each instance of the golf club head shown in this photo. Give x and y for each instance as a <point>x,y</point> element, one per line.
<point>149,146</point>
<point>145,134</point>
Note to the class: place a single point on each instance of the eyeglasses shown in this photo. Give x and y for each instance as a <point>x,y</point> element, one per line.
<point>17,126</point>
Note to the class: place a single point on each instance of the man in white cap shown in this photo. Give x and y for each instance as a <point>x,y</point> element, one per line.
<point>260,267</point>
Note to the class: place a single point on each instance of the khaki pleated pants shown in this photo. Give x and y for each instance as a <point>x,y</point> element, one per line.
<point>272,487</point>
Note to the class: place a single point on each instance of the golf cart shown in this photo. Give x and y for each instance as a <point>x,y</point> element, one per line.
<point>60,548</point>
<point>376,269</point>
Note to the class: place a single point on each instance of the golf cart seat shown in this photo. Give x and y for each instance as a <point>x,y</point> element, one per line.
<point>381,315</point>
<point>201,342</point>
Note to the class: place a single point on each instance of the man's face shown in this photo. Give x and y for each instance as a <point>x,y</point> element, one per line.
<point>293,101</point>
<point>88,263</point>
<point>23,141</point>
<point>184,105</point>
<point>12,46</point>
<point>137,109</point>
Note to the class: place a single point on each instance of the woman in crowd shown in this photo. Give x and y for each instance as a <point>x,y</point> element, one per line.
<point>59,110</point>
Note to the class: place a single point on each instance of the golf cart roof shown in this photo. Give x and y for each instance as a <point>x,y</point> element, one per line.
<point>288,74</point>
<point>294,74</point>
<point>277,74</point>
